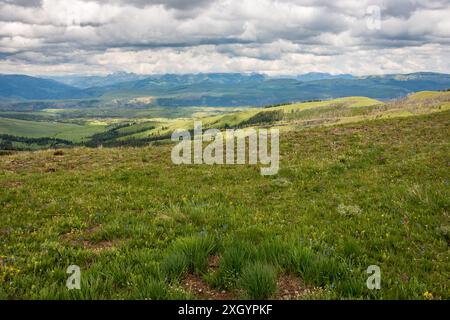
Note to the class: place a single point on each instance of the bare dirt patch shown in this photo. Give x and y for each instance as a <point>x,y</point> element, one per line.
<point>290,287</point>
<point>11,184</point>
<point>94,246</point>
<point>79,241</point>
<point>98,246</point>
<point>200,288</point>
<point>213,262</point>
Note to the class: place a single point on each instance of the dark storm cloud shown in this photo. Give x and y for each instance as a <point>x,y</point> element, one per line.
<point>405,8</point>
<point>172,4</point>
<point>177,4</point>
<point>23,3</point>
<point>399,8</point>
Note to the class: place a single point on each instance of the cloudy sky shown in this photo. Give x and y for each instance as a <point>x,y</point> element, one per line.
<point>266,36</point>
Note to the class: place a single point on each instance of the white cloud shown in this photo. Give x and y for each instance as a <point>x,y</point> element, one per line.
<point>271,36</point>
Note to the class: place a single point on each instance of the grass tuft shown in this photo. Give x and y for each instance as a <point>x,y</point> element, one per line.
<point>175,265</point>
<point>188,255</point>
<point>259,280</point>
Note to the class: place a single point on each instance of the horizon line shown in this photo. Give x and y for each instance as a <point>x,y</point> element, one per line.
<point>37,75</point>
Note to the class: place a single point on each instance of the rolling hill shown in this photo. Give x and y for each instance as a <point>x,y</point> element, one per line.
<point>296,116</point>
<point>346,197</point>
<point>145,128</point>
<point>41,129</point>
<point>361,182</point>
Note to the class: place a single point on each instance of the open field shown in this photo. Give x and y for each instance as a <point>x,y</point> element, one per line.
<point>298,116</point>
<point>135,125</point>
<point>39,129</point>
<point>252,153</point>
<point>347,196</point>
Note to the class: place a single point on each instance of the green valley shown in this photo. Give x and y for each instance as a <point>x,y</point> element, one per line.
<point>361,183</point>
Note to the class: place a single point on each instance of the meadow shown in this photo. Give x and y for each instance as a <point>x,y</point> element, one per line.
<point>138,122</point>
<point>358,186</point>
<point>41,129</point>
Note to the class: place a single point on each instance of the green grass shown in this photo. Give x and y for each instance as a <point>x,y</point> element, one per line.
<point>151,123</point>
<point>234,256</point>
<point>40,129</point>
<point>244,118</point>
<point>259,280</point>
<point>346,197</point>
<point>298,116</point>
<point>175,265</point>
<point>188,255</point>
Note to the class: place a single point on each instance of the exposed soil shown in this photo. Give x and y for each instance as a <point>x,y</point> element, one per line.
<point>213,262</point>
<point>98,246</point>
<point>200,288</point>
<point>290,287</point>
<point>86,244</point>
<point>11,184</point>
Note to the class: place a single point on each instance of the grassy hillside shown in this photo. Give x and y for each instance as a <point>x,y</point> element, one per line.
<point>346,197</point>
<point>135,124</point>
<point>239,118</point>
<point>298,116</point>
<point>39,129</point>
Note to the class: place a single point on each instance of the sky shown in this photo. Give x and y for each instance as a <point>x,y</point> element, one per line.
<point>274,37</point>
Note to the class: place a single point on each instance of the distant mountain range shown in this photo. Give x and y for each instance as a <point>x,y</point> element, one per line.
<point>219,89</point>
<point>84,82</point>
<point>314,76</point>
<point>21,87</point>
